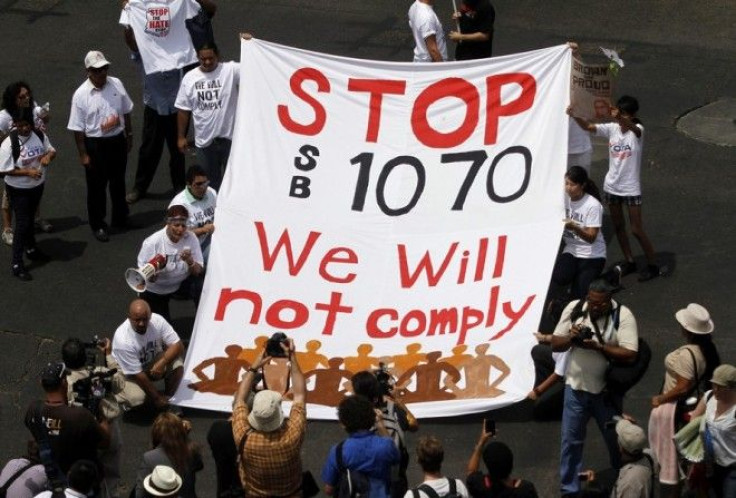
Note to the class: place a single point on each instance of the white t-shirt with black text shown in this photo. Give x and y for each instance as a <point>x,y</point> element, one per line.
<point>211,98</point>
<point>161,33</point>
<point>423,23</point>
<point>133,351</point>
<point>201,211</point>
<point>587,212</point>
<point>176,270</point>
<point>624,159</point>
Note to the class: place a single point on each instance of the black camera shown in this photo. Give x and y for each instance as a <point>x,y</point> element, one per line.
<point>273,345</point>
<point>584,333</point>
<point>385,381</point>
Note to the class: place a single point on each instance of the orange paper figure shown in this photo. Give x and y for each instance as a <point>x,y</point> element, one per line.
<point>361,362</point>
<point>311,359</point>
<point>226,375</point>
<point>478,374</point>
<point>250,355</point>
<point>327,390</point>
<point>403,362</point>
<point>428,380</point>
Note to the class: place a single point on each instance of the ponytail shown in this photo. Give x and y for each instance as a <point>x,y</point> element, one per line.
<point>579,176</point>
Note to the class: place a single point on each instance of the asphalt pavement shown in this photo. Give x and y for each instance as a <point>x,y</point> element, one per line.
<point>679,57</point>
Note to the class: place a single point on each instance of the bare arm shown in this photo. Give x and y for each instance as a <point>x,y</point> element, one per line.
<point>478,36</point>
<point>626,122</point>
<point>246,384</point>
<point>434,52</point>
<point>81,148</point>
<point>298,383</point>
<point>588,234</point>
<point>182,123</point>
<point>150,389</point>
<point>582,122</point>
<point>474,461</point>
<point>682,387</point>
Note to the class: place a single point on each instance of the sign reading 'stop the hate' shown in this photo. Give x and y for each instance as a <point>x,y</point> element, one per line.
<point>386,213</point>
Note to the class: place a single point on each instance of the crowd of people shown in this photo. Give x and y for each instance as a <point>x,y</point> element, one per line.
<point>76,443</point>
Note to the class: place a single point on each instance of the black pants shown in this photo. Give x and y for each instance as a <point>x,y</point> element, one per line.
<point>158,129</point>
<point>576,271</point>
<point>24,202</point>
<point>191,288</point>
<point>225,454</point>
<point>108,159</point>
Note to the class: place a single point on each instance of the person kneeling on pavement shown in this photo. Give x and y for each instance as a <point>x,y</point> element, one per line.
<point>148,350</point>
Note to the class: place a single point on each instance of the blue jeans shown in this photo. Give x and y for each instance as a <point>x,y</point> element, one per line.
<point>724,482</point>
<point>213,159</point>
<point>579,406</point>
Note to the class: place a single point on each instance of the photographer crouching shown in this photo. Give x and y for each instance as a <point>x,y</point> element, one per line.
<point>94,384</point>
<point>378,387</point>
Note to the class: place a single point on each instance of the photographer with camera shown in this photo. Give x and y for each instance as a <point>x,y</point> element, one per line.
<point>595,331</point>
<point>269,444</point>
<point>94,387</point>
<point>378,386</point>
<point>64,433</point>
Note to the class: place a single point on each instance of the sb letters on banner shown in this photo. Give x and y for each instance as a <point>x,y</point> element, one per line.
<point>386,213</point>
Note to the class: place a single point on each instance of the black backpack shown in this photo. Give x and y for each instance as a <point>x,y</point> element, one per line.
<point>620,377</point>
<point>15,141</point>
<point>431,493</point>
<point>352,483</point>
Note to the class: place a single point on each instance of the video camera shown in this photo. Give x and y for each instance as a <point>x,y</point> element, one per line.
<point>385,380</point>
<point>90,390</point>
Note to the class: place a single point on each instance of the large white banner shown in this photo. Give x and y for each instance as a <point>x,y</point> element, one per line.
<point>400,213</point>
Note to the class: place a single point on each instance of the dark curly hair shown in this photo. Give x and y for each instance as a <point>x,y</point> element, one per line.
<point>356,413</point>
<point>10,96</point>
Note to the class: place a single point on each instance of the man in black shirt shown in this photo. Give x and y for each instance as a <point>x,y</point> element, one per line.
<point>73,432</point>
<point>475,38</point>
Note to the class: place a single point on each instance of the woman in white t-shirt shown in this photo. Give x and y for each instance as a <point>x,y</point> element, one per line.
<point>584,253</point>
<point>24,179</point>
<point>15,96</point>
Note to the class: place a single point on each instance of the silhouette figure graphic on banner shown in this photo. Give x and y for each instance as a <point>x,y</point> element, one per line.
<point>249,355</point>
<point>361,362</point>
<point>478,374</point>
<point>429,385</point>
<point>404,362</point>
<point>327,389</point>
<point>226,376</point>
<point>311,359</point>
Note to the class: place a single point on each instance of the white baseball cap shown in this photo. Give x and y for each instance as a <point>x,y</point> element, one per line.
<point>96,59</point>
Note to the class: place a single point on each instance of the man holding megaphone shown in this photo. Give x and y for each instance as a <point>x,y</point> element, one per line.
<point>168,262</point>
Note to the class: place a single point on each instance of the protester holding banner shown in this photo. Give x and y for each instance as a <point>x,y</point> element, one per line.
<point>429,37</point>
<point>622,184</point>
<point>208,95</point>
<point>474,37</point>
<point>595,331</point>
<point>183,264</point>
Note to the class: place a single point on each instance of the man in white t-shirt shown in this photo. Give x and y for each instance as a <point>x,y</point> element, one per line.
<point>585,379</point>
<point>429,37</point>
<point>100,120</point>
<point>208,95</point>
<point>147,349</point>
<point>430,455</point>
<point>183,262</point>
<point>200,200</point>
<point>622,184</point>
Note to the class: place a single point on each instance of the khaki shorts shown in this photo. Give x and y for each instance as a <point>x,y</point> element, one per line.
<point>132,395</point>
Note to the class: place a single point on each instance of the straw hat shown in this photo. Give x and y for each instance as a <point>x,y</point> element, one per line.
<point>162,481</point>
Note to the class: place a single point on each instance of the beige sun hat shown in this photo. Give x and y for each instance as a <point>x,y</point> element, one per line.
<point>631,437</point>
<point>266,415</point>
<point>162,481</point>
<point>696,319</point>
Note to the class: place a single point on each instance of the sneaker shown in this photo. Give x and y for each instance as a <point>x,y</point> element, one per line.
<point>44,226</point>
<point>133,197</point>
<point>625,268</point>
<point>36,255</point>
<point>8,237</point>
<point>650,272</point>
<point>101,235</point>
<point>20,273</point>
